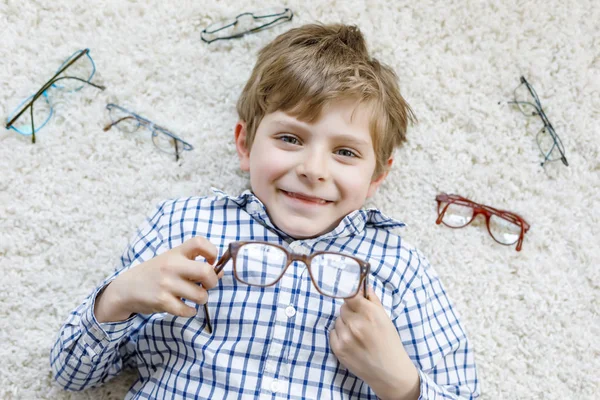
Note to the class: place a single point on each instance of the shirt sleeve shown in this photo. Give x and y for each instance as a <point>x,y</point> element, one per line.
<point>88,353</point>
<point>434,338</point>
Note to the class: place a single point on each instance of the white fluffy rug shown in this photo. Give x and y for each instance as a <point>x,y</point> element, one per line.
<point>69,203</point>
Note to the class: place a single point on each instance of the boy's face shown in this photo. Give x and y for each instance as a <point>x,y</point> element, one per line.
<point>310,176</point>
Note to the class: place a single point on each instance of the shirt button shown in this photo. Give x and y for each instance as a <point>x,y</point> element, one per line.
<point>290,311</point>
<point>275,386</point>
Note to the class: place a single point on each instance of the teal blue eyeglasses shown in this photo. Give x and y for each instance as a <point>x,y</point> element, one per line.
<point>35,111</point>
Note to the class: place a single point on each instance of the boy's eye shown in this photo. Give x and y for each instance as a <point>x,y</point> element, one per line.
<point>289,139</point>
<point>346,153</point>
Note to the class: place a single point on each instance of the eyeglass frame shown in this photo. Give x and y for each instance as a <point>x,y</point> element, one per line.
<point>232,252</point>
<point>151,126</point>
<point>282,17</point>
<point>487,211</point>
<point>46,86</point>
<point>547,125</point>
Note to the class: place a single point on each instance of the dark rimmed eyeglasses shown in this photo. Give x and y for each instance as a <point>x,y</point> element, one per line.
<point>262,264</point>
<point>129,122</point>
<point>505,227</point>
<point>248,22</point>
<point>81,70</point>
<point>548,141</point>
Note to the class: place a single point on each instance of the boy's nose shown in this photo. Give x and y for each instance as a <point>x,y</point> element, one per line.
<point>313,166</point>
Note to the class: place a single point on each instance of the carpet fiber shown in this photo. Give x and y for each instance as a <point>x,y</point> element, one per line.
<point>70,202</point>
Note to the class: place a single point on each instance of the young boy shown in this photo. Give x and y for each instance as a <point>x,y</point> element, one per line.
<point>319,120</point>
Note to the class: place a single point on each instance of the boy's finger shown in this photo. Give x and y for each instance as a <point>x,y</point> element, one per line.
<point>178,307</point>
<point>199,246</point>
<point>200,272</point>
<point>191,291</point>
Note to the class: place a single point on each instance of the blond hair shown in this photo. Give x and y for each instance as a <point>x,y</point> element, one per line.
<point>306,68</point>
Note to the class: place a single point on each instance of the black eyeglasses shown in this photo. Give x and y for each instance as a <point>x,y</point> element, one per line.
<point>164,140</point>
<point>81,71</point>
<point>248,22</point>
<point>548,141</point>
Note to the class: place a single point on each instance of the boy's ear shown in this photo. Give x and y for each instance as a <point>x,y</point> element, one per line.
<point>379,180</point>
<point>240,145</point>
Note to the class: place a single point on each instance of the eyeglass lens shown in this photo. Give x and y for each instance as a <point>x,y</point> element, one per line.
<point>42,111</point>
<point>335,275</point>
<point>525,101</point>
<point>83,68</point>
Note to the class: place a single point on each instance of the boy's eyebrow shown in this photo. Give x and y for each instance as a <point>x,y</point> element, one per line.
<point>342,136</point>
<point>290,124</point>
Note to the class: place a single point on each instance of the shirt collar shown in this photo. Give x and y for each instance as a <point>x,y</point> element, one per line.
<point>351,224</point>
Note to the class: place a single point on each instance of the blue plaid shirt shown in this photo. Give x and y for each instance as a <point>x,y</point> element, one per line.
<point>267,342</point>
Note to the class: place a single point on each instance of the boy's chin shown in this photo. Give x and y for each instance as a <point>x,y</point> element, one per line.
<point>303,230</point>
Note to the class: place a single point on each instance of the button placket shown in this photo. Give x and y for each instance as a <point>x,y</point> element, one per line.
<point>276,368</point>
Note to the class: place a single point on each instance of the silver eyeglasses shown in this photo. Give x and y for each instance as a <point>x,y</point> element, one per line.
<point>248,22</point>
<point>262,264</point>
<point>129,122</point>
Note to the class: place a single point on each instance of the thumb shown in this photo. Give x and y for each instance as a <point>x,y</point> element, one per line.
<point>372,296</point>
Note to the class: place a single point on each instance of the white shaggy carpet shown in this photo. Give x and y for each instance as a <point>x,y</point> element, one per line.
<point>69,203</point>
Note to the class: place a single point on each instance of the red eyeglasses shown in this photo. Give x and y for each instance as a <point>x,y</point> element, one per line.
<point>505,227</point>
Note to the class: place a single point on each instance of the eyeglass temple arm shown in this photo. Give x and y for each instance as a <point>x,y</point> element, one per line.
<point>218,268</point>
<point>107,127</point>
<point>366,284</point>
<point>32,125</point>
<point>176,149</point>
<point>441,214</point>
<point>81,80</point>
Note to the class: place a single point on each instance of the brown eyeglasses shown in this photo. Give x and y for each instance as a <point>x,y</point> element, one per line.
<point>262,264</point>
<point>505,227</point>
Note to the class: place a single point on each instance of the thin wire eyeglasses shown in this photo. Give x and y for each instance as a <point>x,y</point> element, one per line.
<point>129,122</point>
<point>505,227</point>
<point>262,264</point>
<point>248,22</point>
<point>82,73</point>
<point>548,141</point>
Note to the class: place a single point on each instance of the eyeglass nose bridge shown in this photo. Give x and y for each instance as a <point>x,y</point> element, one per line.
<point>482,211</point>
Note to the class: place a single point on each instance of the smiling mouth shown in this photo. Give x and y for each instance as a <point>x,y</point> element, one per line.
<point>307,199</point>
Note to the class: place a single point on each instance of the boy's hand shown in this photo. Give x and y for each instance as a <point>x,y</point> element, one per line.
<point>366,342</point>
<point>158,285</point>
